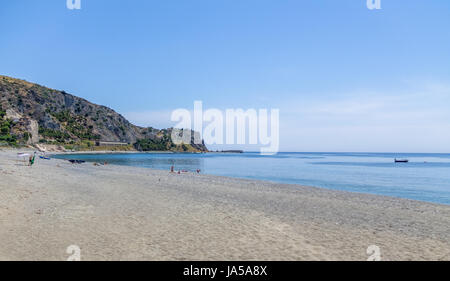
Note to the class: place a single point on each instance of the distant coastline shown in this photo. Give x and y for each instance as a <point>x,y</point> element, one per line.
<point>227,151</point>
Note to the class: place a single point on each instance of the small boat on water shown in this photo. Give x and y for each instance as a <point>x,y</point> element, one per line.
<point>401,160</point>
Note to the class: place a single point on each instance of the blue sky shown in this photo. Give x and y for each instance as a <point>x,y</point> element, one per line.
<point>345,78</point>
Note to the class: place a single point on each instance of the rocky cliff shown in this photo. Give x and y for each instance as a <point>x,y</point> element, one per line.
<point>32,114</point>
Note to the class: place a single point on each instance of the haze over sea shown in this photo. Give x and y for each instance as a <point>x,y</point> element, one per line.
<point>426,177</point>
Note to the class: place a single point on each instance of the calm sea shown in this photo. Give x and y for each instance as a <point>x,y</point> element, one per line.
<point>426,177</point>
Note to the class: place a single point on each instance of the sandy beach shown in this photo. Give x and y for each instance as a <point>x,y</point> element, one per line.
<point>125,213</point>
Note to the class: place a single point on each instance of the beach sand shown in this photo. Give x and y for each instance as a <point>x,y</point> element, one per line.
<point>126,213</point>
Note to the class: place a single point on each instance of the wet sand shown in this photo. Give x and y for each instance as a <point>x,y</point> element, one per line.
<point>125,213</point>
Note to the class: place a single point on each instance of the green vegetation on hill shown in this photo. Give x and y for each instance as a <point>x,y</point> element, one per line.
<point>2,113</point>
<point>153,145</point>
<point>75,125</point>
<point>58,136</point>
<point>5,129</point>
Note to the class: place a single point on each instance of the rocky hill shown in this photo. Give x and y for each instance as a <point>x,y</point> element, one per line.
<point>31,114</point>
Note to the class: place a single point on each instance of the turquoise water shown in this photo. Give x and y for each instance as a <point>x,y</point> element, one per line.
<point>425,178</point>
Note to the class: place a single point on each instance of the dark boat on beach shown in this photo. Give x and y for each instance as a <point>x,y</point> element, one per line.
<point>401,160</point>
<point>76,161</point>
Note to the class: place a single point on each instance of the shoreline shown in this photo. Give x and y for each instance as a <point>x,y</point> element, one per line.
<point>230,177</point>
<point>128,213</point>
<point>293,185</point>
<point>236,177</point>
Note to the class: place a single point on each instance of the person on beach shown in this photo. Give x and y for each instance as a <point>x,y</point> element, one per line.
<point>172,169</point>
<point>32,158</point>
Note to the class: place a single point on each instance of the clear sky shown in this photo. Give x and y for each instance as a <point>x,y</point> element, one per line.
<point>344,77</point>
